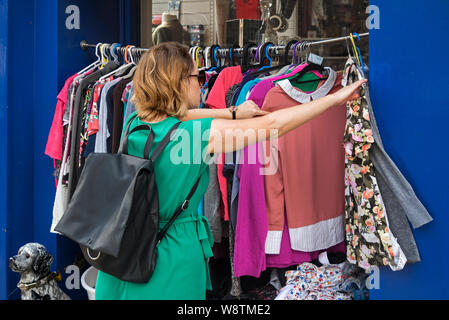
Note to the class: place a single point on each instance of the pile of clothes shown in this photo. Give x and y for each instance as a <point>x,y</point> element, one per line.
<point>342,281</point>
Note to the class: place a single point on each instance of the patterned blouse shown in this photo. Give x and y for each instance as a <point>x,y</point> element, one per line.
<point>369,240</point>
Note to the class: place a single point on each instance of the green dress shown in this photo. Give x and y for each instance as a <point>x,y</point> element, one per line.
<point>181,271</point>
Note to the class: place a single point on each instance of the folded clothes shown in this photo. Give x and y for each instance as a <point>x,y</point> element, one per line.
<point>328,282</point>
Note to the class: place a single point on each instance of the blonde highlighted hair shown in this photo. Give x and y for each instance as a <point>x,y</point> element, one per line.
<point>161,81</point>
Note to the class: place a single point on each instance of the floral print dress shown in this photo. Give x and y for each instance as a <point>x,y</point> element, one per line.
<point>369,241</point>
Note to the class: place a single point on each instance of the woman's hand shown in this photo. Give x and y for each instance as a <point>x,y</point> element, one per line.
<point>249,109</point>
<point>348,93</point>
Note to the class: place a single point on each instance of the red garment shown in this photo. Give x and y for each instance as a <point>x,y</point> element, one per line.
<point>53,148</point>
<point>217,100</point>
<point>247,9</point>
<point>93,125</point>
<point>225,80</point>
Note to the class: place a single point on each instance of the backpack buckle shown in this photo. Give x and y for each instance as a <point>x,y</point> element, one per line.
<point>185,205</point>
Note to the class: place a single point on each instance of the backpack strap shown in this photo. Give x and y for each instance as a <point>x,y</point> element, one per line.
<point>146,154</point>
<point>178,211</point>
<point>124,141</point>
<point>148,144</point>
<point>161,146</point>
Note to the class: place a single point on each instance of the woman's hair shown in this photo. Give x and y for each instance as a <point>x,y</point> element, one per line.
<point>161,81</point>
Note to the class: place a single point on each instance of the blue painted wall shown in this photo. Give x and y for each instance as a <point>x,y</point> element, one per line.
<point>3,143</point>
<point>17,125</point>
<point>409,89</point>
<point>407,77</point>
<point>37,54</point>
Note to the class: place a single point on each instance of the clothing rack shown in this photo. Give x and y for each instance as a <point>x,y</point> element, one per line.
<point>273,51</point>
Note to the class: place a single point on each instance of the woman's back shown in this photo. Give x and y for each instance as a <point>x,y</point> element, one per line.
<point>182,254</point>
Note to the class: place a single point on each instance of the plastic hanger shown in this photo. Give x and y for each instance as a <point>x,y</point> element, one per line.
<point>310,67</point>
<point>294,61</point>
<point>232,55</point>
<point>212,55</point>
<point>206,57</point>
<point>269,68</point>
<point>362,66</point>
<point>96,63</point>
<point>112,50</point>
<point>355,49</point>
<point>287,49</point>
<point>128,51</point>
<point>264,59</point>
<point>128,69</point>
<point>104,57</point>
<point>349,50</point>
<point>267,56</point>
<point>197,57</point>
<point>193,53</point>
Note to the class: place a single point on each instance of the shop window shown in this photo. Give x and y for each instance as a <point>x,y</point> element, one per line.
<point>230,22</point>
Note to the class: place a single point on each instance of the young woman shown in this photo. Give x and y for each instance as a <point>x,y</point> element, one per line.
<point>166,92</point>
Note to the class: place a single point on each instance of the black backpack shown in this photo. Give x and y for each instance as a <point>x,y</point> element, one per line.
<point>114,211</point>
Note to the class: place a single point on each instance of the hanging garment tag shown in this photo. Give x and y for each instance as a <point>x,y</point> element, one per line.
<point>313,58</point>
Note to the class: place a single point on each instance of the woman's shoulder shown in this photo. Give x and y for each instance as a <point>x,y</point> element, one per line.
<point>192,126</point>
<point>197,124</point>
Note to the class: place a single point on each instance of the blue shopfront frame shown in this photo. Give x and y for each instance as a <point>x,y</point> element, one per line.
<point>37,53</point>
<point>408,84</point>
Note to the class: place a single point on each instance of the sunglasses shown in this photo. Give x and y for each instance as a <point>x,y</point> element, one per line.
<point>201,77</point>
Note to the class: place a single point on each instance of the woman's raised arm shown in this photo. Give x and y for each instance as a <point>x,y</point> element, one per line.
<point>231,135</point>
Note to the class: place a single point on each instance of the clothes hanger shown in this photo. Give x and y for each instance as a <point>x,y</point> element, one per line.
<point>202,58</point>
<point>212,55</point>
<point>294,62</point>
<point>267,56</point>
<point>104,57</point>
<point>96,63</point>
<point>264,59</point>
<point>284,62</point>
<point>270,67</point>
<point>135,56</point>
<point>287,49</point>
<point>206,57</point>
<point>127,52</point>
<point>193,52</point>
<point>355,49</point>
<point>116,60</point>
<point>107,52</point>
<point>214,59</point>
<point>125,71</point>
<point>231,55</point>
<point>245,54</point>
<point>347,48</point>
<point>112,50</point>
<point>362,66</point>
<point>310,67</point>
<point>197,57</point>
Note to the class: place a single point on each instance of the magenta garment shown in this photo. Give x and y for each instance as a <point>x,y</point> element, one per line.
<point>252,222</point>
<point>261,89</point>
